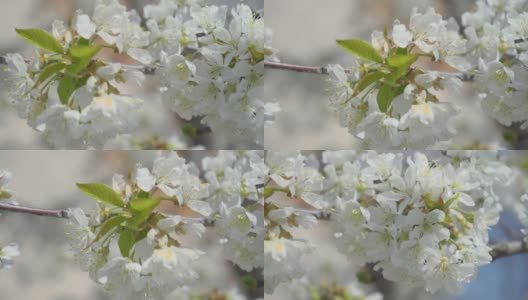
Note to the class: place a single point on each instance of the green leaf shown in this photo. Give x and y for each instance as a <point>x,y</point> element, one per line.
<point>142,194</point>
<point>268,192</point>
<point>385,97</point>
<point>83,52</point>
<point>66,88</point>
<point>400,65</point>
<point>144,204</point>
<point>400,61</point>
<point>189,130</point>
<point>5,194</point>
<point>364,277</point>
<point>48,71</point>
<point>395,75</point>
<point>361,49</point>
<point>366,81</point>
<point>401,51</point>
<point>106,227</point>
<point>77,67</point>
<point>126,241</point>
<point>41,39</point>
<point>102,193</point>
<point>83,42</point>
<point>142,209</point>
<point>249,281</point>
<point>138,218</point>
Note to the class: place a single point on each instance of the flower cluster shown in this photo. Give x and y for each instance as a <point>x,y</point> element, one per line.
<point>209,61</point>
<point>421,221</point>
<point>283,253</point>
<point>497,51</point>
<point>418,220</point>
<point>389,104</point>
<point>133,247</point>
<point>212,64</point>
<point>8,252</point>
<point>388,100</point>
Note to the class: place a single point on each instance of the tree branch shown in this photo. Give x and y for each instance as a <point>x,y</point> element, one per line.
<point>324,70</point>
<point>295,68</point>
<point>63,214</point>
<point>508,248</point>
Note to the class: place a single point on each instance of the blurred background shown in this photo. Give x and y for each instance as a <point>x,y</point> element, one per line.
<point>158,125</point>
<point>506,278</point>
<point>46,268</point>
<point>304,32</point>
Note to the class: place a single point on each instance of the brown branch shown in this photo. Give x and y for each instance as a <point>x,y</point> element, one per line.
<point>63,214</point>
<point>295,68</point>
<point>508,248</point>
<point>324,70</point>
<point>499,250</point>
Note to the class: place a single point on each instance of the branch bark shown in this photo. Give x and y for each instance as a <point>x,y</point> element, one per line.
<point>295,68</point>
<point>63,214</point>
<point>508,248</point>
<point>499,250</point>
<point>324,70</point>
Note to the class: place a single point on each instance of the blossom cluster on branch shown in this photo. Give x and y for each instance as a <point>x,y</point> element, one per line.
<point>134,249</point>
<point>208,63</point>
<point>393,96</point>
<point>420,218</point>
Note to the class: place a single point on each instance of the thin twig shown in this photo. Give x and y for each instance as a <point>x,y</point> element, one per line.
<point>324,70</point>
<point>63,214</point>
<point>295,68</point>
<point>508,248</point>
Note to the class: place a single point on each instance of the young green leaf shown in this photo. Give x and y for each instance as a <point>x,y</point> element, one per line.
<point>83,42</point>
<point>126,241</point>
<point>400,65</point>
<point>83,52</point>
<point>106,227</point>
<point>361,49</point>
<point>142,209</point>
<point>48,71</point>
<point>77,67</point>
<point>366,81</point>
<point>66,88</point>
<point>399,61</point>
<point>385,97</point>
<point>249,281</point>
<point>41,39</point>
<point>144,204</point>
<point>102,193</point>
<point>401,51</point>
<point>395,75</point>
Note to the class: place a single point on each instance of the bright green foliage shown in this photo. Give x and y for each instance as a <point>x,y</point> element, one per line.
<point>367,81</point>
<point>385,97</point>
<point>361,49</point>
<point>142,209</point>
<point>126,241</point>
<point>42,39</point>
<point>102,192</point>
